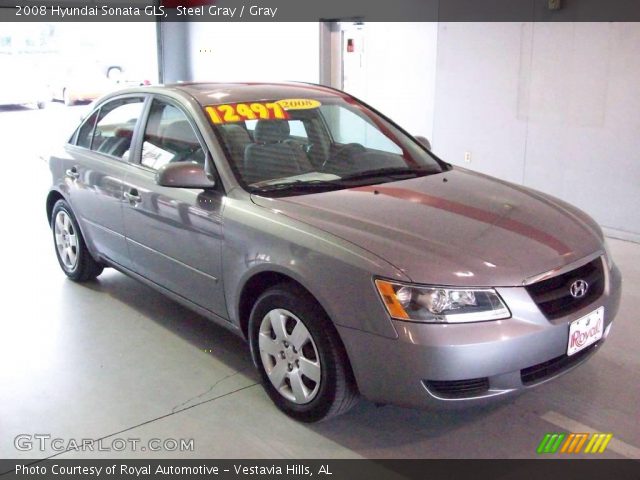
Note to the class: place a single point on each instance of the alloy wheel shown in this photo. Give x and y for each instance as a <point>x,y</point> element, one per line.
<point>289,356</point>
<point>66,240</point>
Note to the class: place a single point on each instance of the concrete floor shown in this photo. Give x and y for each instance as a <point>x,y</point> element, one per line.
<point>114,359</point>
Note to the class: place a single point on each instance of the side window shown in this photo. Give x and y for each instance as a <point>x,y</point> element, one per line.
<point>115,126</point>
<point>85,132</point>
<point>169,137</point>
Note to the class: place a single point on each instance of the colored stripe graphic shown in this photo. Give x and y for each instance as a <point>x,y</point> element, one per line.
<point>570,439</point>
<point>497,219</point>
<point>543,443</point>
<point>598,443</point>
<point>573,443</point>
<point>550,443</point>
<point>557,443</point>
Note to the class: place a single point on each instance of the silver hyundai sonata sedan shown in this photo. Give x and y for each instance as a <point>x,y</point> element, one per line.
<point>352,259</point>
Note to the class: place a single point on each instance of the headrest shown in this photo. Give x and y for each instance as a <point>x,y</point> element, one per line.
<point>271,131</point>
<point>122,132</point>
<point>235,133</point>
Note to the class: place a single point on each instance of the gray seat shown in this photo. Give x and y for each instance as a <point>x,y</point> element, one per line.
<point>236,139</point>
<point>270,157</point>
<point>118,144</point>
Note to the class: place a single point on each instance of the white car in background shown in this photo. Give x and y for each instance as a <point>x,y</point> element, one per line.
<point>19,84</point>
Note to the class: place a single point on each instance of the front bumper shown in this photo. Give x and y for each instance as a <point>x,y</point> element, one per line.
<point>476,363</point>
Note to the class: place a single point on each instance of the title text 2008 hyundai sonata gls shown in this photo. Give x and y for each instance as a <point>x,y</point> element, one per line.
<point>352,259</point>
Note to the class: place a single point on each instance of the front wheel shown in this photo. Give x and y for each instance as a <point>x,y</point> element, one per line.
<point>74,257</point>
<point>302,362</point>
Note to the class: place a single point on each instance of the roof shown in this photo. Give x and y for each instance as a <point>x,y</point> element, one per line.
<point>214,93</point>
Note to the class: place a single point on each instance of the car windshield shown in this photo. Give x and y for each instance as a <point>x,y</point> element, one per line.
<point>304,145</point>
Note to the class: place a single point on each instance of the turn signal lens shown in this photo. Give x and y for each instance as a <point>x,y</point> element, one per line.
<point>390,299</point>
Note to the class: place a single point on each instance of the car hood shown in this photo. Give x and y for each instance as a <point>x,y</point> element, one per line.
<point>455,228</point>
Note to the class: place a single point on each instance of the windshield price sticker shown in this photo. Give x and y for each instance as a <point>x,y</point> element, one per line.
<point>299,103</point>
<point>240,112</point>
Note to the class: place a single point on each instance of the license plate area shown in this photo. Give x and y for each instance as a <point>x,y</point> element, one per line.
<point>585,331</point>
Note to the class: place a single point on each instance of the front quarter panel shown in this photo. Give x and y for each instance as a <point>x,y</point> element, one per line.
<point>338,274</point>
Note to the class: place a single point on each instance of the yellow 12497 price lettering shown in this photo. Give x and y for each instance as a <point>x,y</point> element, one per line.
<point>239,112</point>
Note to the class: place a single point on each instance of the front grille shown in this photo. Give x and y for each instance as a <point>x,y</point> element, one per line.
<point>550,368</point>
<point>472,387</point>
<point>553,297</point>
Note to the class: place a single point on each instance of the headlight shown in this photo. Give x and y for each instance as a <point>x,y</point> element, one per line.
<point>607,254</point>
<point>441,304</point>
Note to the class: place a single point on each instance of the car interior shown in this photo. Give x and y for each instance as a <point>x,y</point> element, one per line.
<point>268,149</point>
<point>169,138</point>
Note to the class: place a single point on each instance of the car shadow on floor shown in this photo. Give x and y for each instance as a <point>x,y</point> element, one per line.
<point>202,333</point>
<point>371,428</point>
<point>367,428</point>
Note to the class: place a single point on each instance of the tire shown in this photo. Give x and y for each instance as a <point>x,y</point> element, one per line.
<point>73,256</point>
<point>322,355</point>
<point>114,73</point>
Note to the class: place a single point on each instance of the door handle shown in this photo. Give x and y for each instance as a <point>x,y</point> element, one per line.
<point>72,173</point>
<point>133,196</point>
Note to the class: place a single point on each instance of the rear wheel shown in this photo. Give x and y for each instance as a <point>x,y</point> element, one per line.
<point>74,258</point>
<point>114,73</point>
<point>302,362</point>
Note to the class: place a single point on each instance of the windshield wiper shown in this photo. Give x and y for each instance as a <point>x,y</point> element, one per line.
<point>343,182</point>
<point>388,172</point>
<point>299,185</point>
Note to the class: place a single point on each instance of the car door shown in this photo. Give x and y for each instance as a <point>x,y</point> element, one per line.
<point>95,170</point>
<point>174,235</point>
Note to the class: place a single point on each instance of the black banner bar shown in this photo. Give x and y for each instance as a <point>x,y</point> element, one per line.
<point>580,469</point>
<point>315,10</point>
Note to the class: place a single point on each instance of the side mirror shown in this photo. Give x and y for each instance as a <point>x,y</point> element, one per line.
<point>423,141</point>
<point>183,175</point>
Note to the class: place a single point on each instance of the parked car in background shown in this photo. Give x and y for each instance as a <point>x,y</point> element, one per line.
<point>79,87</point>
<point>19,83</point>
<point>82,83</point>
<point>352,259</point>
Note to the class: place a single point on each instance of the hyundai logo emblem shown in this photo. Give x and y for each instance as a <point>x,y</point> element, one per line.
<point>578,289</point>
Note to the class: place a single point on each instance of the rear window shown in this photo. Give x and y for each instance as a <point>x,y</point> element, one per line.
<point>109,129</point>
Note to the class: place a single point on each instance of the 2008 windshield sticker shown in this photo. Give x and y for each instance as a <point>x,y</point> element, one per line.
<point>298,103</point>
<point>239,112</point>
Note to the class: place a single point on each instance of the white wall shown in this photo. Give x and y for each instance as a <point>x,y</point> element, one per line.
<point>237,51</point>
<point>477,101</point>
<point>400,61</point>
<point>555,106</point>
<point>400,72</point>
